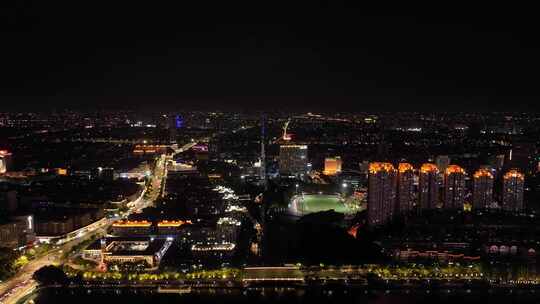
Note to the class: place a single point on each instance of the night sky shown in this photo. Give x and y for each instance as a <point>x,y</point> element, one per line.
<point>320,58</point>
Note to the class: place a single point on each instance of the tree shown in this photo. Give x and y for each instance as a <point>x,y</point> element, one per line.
<point>7,258</point>
<point>49,275</point>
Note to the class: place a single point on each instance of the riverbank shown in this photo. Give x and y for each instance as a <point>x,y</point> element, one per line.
<point>284,294</point>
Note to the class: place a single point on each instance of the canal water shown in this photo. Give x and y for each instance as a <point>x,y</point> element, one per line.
<point>280,295</point>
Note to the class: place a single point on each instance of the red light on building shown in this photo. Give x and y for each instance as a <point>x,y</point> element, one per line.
<point>353,231</point>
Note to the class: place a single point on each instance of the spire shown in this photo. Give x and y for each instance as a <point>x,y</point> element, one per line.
<point>263,153</point>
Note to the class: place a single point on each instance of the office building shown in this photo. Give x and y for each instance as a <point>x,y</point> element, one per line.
<point>293,159</point>
<point>332,165</point>
<point>482,189</point>
<point>522,156</point>
<point>428,187</point>
<point>381,193</point>
<point>512,196</point>
<point>454,187</point>
<point>175,122</point>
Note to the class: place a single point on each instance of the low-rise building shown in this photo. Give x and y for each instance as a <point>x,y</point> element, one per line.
<point>118,250</point>
<point>171,228</point>
<point>212,251</point>
<point>17,232</point>
<point>132,228</point>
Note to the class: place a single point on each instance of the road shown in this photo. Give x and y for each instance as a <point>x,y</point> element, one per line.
<point>22,284</point>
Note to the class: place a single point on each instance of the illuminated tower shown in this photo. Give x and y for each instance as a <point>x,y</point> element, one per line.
<point>263,153</point>
<point>512,197</point>
<point>428,187</point>
<point>175,122</point>
<point>405,194</point>
<point>332,165</point>
<point>482,189</point>
<point>381,193</point>
<point>454,187</point>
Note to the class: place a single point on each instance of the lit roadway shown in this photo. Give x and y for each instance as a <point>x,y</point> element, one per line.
<point>22,284</point>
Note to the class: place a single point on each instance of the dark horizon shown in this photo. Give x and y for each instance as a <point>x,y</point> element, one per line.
<point>327,58</point>
<point>321,104</point>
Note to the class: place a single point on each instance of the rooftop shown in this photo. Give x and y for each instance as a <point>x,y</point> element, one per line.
<point>513,173</point>
<point>129,245</point>
<point>454,169</point>
<point>173,223</point>
<point>402,167</point>
<point>483,173</point>
<point>377,167</point>
<point>429,168</point>
<point>127,223</point>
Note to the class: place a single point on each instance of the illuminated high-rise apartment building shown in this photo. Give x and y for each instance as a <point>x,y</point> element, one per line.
<point>454,187</point>
<point>405,188</point>
<point>482,189</point>
<point>428,188</point>
<point>512,196</point>
<point>381,193</point>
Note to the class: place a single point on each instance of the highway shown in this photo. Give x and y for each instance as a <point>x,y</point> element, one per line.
<point>22,284</point>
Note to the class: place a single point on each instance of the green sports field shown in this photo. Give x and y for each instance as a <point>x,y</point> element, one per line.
<point>311,203</point>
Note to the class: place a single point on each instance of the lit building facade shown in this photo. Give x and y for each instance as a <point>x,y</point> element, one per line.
<point>228,229</point>
<point>293,159</point>
<point>482,189</point>
<point>5,161</point>
<point>171,228</point>
<point>512,197</point>
<point>127,250</point>
<point>332,165</point>
<point>454,187</point>
<point>55,227</point>
<point>405,188</point>
<point>428,187</point>
<point>381,193</point>
<point>132,228</point>
<point>204,253</point>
